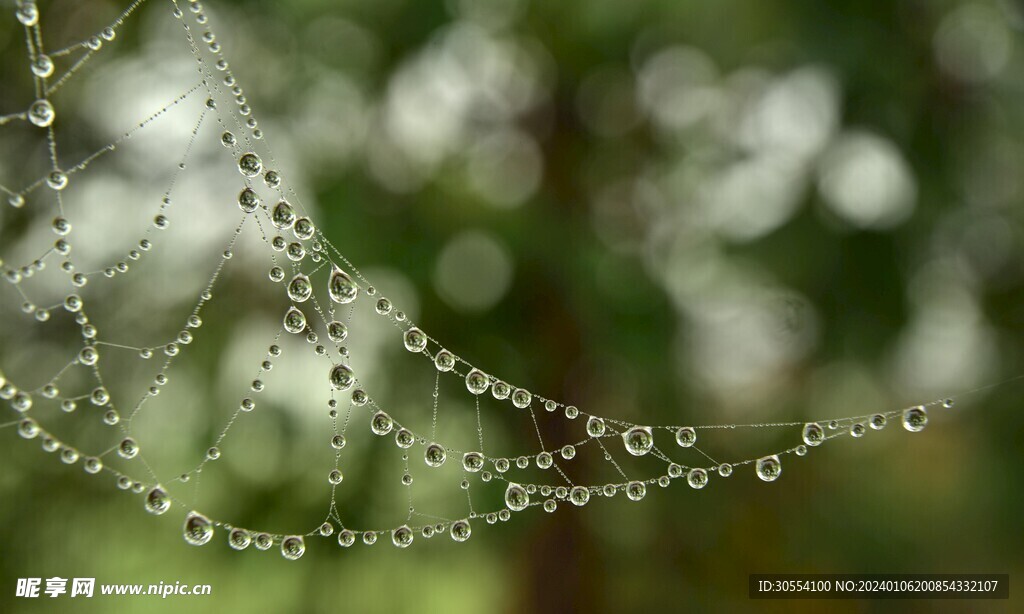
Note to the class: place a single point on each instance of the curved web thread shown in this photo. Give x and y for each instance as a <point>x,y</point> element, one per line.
<point>303,262</point>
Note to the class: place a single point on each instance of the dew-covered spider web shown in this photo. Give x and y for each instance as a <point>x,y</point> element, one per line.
<point>108,306</point>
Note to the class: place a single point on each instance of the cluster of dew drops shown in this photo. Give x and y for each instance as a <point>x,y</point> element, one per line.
<point>343,290</point>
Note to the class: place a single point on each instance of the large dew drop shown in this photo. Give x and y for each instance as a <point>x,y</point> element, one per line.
<point>381,423</point>
<point>283,215</point>
<point>769,468</point>
<point>638,440</point>
<point>249,164</point>
<point>579,495</point>
<point>686,436</point>
<point>435,455</point>
<point>477,382</point>
<point>342,377</point>
<point>697,478</point>
<point>636,491</point>
<point>915,419</point>
<point>294,321</point>
<point>461,530</point>
<point>516,497</point>
<point>157,501</point>
<point>299,288</point>
<point>521,398</point>
<point>472,461</point>
<point>814,435</point>
<point>239,539</point>
<point>337,331</point>
<point>595,426</point>
<point>198,529</point>
<point>444,361</point>
<point>292,547</point>
<point>402,536</point>
<point>415,340</point>
<point>341,287</point>
<point>41,113</point>
<point>248,200</point>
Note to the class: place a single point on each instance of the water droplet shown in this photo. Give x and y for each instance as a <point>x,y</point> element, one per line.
<point>461,530</point>
<point>568,451</point>
<point>304,229</point>
<point>213,453</point>
<point>41,113</point>
<point>415,340</point>
<point>477,381</point>
<point>948,403</point>
<point>292,547</point>
<point>299,288</point>
<point>22,401</point>
<point>857,430</point>
<point>28,14</point>
<point>404,439</point>
<point>249,164</point>
<point>346,538</point>
<point>697,478</point>
<point>342,377</point>
<point>636,491</point>
<point>263,541</point>
<point>157,501</point>
<point>198,529</point>
<point>335,477</point>
<point>338,442</point>
<point>42,66</point>
<point>472,461</point>
<point>521,398</point>
<point>516,497</point>
<point>544,460</point>
<point>341,287</point>
<point>444,360</point>
<point>579,495</point>
<point>337,331</point>
<point>501,390</point>
<point>383,306</point>
<point>58,180</point>
<point>402,536</point>
<point>28,428</point>
<point>686,436</point>
<point>128,448</point>
<point>595,426</point>
<point>571,412</point>
<point>283,215</point>
<point>381,423</point>
<point>769,468</point>
<point>435,455</point>
<point>92,465</point>
<point>915,419</point>
<point>813,434</point>
<point>272,179</point>
<point>294,320</point>
<point>877,422</point>
<point>638,440</point>
<point>239,539</point>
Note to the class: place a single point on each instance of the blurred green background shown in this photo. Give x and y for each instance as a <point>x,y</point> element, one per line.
<point>666,212</point>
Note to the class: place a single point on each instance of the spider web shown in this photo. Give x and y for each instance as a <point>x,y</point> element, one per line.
<point>109,402</point>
